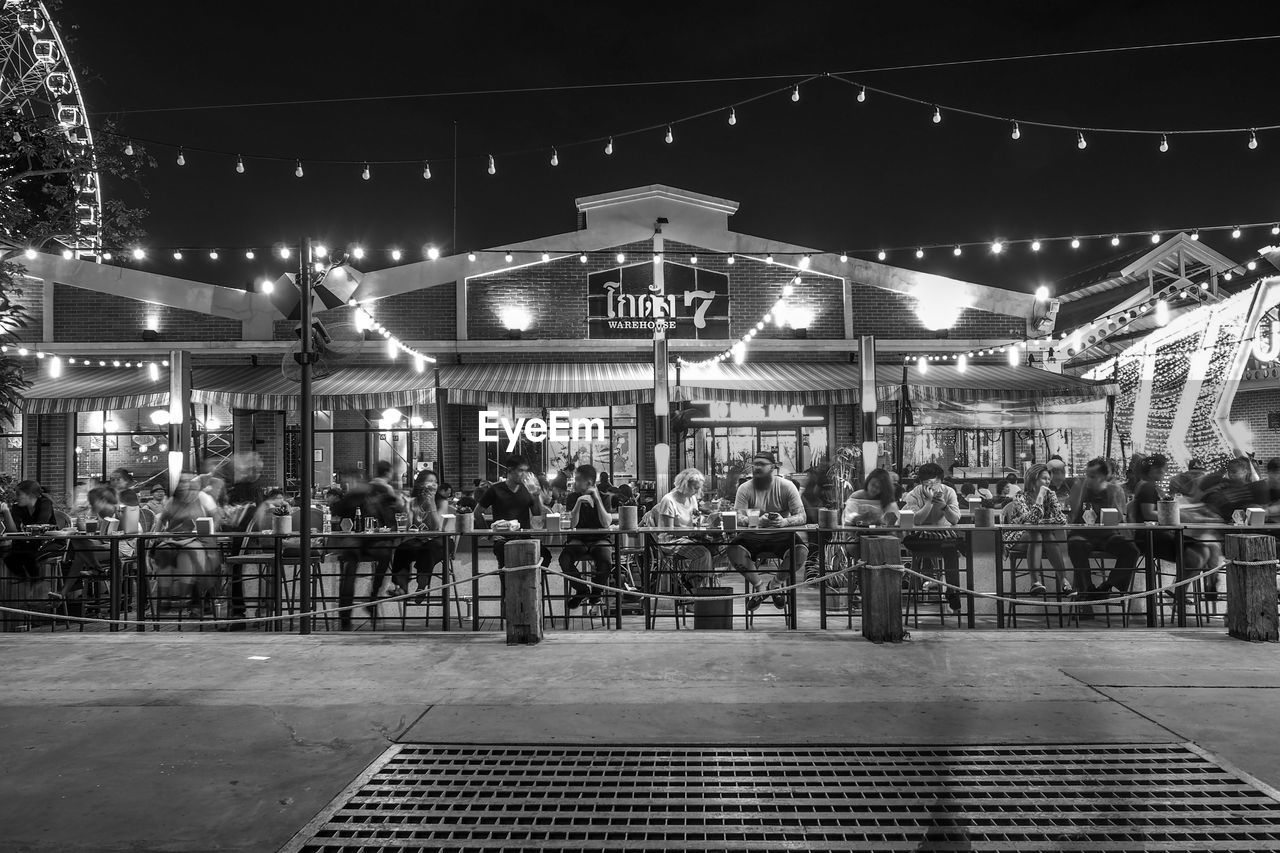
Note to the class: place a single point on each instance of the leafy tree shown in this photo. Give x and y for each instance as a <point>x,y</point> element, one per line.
<point>45,170</point>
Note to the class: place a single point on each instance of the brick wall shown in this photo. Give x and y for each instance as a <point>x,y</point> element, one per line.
<point>420,315</point>
<point>262,433</point>
<point>32,299</point>
<point>1253,408</point>
<point>86,315</point>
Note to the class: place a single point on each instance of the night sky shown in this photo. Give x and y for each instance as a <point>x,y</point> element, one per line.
<point>827,171</point>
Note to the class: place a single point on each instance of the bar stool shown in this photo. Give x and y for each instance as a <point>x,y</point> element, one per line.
<point>773,564</point>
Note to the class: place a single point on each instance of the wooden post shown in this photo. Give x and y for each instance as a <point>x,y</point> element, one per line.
<point>1251,589</point>
<point>882,589</point>
<point>522,599</point>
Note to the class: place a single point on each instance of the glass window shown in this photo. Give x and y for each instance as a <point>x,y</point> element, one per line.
<point>616,452</point>
<point>11,448</point>
<point>358,439</point>
<point>133,439</point>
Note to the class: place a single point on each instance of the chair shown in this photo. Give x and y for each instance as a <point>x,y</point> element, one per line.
<point>668,576</point>
<point>1016,548</point>
<point>773,564</point>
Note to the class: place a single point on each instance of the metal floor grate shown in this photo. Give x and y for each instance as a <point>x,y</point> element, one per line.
<point>1152,797</point>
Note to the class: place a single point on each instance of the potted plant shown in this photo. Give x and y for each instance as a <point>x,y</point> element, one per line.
<point>281,519</point>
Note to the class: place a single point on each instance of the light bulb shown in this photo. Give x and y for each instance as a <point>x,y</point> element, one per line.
<point>1252,265</point>
<point>1075,242</point>
<point>1155,238</point>
<point>795,94</point>
<point>357,252</point>
<point>1115,239</point>
<point>268,285</point>
<point>31,254</point>
<point>1080,143</point>
<point>1164,143</point>
<point>788,289</point>
<point>248,253</point>
<point>582,258</point>
<point>508,258</point>
<point>1235,233</point>
<point>67,254</point>
<point>1162,313</point>
<point>493,167</point>
<point>733,117</point>
<point>844,258</point>
<point>1035,245</point>
<point>962,363</point>
<point>17,137</point>
<point>1014,357</point>
<point>1275,229</point>
<point>420,365</point>
<point>1253,140</point>
<point>138,254</point>
<point>555,157</point>
<point>919,253</point>
<point>608,146</point>
<point>621,258</point>
<point>997,247</point>
<point>471,257</point>
<point>937,116</point>
<point>693,259</point>
<point>128,148</point>
<point>177,256</point>
<point>1227,276</point>
<point>55,367</point>
<point>1195,235</point>
<point>731,260</point>
<point>284,252</point>
<point>319,250</point>
<point>670,136</point>
<point>365,174</point>
<point>956,251</point>
<point>545,257</point>
<point>297,173</point>
<point>392,349</point>
<point>239,166</point>
<point>805,262</point>
<point>862,94</point>
<point>768,259</point>
<point>1042,293</point>
<point>922,364</point>
<point>1017,132</point>
<point>182,160</point>
<point>426,171</point>
<point>433,254</point>
<point>395,254</point>
<point>881,255</point>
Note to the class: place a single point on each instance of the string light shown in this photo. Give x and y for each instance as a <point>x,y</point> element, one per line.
<point>364,175</point>
<point>493,167</point>
<point>555,157</point>
<point>395,254</point>
<point>426,171</point>
<point>546,256</point>
<point>177,256</point>
<point>297,173</point>
<point>357,252</point>
<point>956,251</point>
<point>731,260</point>
<point>249,255</point>
<point>582,258</point>
<point>997,247</point>
<point>1164,143</point>
<point>508,258</point>
<point>433,254</point>
<point>670,137</point>
<point>1253,140</point>
<point>844,259</point>
<point>139,254</point>
<point>862,95</point>
<point>1080,143</point>
<point>239,166</point>
<point>881,255</point>
<point>738,351</point>
<point>1235,233</point>
<point>128,148</point>
<point>1075,242</point>
<point>795,94</point>
<point>608,146</point>
<point>1155,238</point>
<point>284,252</point>
<point>471,257</point>
<point>919,253</point>
<point>937,116</point>
<point>1035,245</point>
<point>621,258</point>
<point>394,344</point>
<point>733,117</point>
<point>1115,239</point>
<point>1017,132</point>
<point>1195,235</point>
<point>182,159</point>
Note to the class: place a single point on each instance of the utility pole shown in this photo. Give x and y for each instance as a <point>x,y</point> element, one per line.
<point>307,426</point>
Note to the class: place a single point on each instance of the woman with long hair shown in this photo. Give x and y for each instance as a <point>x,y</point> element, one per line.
<point>874,503</point>
<point>1038,504</point>
<point>426,512</point>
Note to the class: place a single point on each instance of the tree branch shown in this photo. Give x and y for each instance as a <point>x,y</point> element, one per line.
<point>35,173</point>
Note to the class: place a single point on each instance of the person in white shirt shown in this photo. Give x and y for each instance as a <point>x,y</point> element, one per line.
<point>778,501</point>
<point>678,508</point>
<point>935,505</point>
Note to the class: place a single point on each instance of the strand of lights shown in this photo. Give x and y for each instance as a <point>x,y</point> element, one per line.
<point>56,363</point>
<point>993,247</point>
<point>1074,341</point>
<point>395,346</point>
<point>738,351</point>
<point>1248,134</point>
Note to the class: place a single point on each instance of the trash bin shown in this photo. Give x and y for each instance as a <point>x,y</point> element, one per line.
<point>712,615</point>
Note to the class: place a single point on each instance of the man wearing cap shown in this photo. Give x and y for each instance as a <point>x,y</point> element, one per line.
<point>779,505</point>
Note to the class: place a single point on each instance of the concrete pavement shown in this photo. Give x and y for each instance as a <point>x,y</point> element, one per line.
<point>186,742</point>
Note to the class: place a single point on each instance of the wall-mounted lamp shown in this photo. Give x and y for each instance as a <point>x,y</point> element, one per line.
<point>516,321</point>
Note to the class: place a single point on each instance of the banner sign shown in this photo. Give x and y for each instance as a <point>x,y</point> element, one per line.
<point>622,302</point>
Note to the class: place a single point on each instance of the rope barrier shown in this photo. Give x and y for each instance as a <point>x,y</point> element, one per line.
<point>1252,563</point>
<point>251,620</point>
<point>635,593</point>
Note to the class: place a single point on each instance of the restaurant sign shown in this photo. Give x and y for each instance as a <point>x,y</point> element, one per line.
<point>623,302</point>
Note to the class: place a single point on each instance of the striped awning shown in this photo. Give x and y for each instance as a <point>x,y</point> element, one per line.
<point>549,384</point>
<point>267,389</point>
<point>778,383</point>
<point>983,383</point>
<point>96,389</point>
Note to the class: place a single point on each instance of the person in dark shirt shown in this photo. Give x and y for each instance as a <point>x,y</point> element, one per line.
<point>511,500</point>
<point>1231,491</point>
<point>589,513</point>
<point>1273,489</point>
<point>31,506</point>
<point>372,500</point>
<point>1151,470</point>
<point>1093,494</point>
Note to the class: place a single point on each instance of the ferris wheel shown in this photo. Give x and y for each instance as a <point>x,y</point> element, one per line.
<point>37,80</point>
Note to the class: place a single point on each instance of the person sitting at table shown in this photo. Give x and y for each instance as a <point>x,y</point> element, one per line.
<point>1232,490</point>
<point>589,512</point>
<point>935,506</point>
<point>185,567</point>
<point>85,557</point>
<point>1272,483</point>
<point>679,508</point>
<point>427,508</point>
<point>778,503</point>
<point>1091,495</point>
<point>983,491</point>
<point>1038,504</point>
<point>30,506</point>
<point>510,500</point>
<point>1151,471</point>
<point>1011,487</point>
<point>1059,481</point>
<point>873,503</point>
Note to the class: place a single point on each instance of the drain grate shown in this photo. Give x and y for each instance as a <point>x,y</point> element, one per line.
<point>1152,797</point>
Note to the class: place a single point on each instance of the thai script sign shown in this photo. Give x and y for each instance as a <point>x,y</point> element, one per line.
<point>623,302</point>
